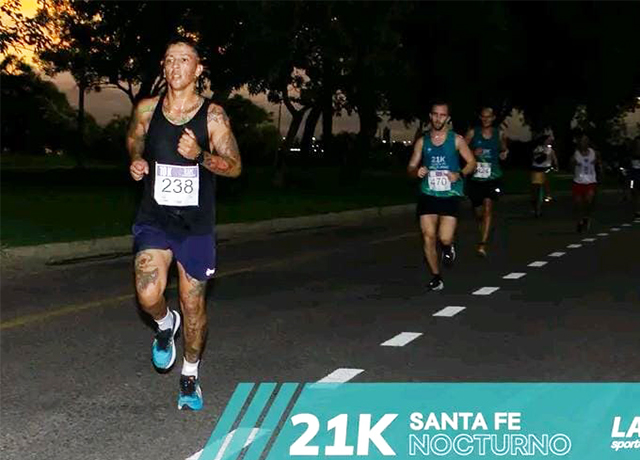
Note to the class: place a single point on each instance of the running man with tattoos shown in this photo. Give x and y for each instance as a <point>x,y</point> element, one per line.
<point>178,142</point>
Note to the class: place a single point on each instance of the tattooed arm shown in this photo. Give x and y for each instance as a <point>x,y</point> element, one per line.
<point>136,136</point>
<point>226,159</point>
<point>138,127</point>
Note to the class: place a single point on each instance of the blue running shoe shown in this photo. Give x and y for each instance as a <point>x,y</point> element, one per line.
<point>163,350</point>
<point>190,397</point>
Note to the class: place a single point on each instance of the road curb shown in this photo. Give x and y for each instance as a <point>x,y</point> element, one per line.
<point>53,253</point>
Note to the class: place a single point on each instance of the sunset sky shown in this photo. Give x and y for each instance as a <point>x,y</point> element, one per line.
<point>110,102</point>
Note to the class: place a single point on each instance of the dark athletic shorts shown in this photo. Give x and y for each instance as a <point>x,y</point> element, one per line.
<point>478,190</point>
<point>428,204</point>
<point>582,190</point>
<point>634,175</point>
<point>196,253</point>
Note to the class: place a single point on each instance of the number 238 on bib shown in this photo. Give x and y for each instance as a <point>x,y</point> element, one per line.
<point>176,185</point>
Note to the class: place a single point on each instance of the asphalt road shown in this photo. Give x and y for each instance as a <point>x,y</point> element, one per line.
<point>77,381</point>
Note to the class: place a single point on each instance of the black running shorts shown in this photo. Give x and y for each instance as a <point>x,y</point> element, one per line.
<point>478,190</point>
<point>440,206</point>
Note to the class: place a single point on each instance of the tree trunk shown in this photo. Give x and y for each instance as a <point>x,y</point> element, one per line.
<point>80,144</point>
<point>281,153</point>
<point>309,130</point>
<point>368,127</point>
<point>327,125</point>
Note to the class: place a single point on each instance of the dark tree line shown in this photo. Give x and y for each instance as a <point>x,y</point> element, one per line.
<point>550,60</point>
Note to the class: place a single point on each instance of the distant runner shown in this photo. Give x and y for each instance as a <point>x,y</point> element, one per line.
<point>586,166</point>
<point>634,176</point>
<point>543,159</point>
<point>489,145</point>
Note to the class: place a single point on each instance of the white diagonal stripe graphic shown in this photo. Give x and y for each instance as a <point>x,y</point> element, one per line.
<point>449,311</point>
<point>227,440</point>
<point>401,339</point>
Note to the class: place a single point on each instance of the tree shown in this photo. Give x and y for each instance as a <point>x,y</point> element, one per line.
<point>36,116</point>
<point>75,50</point>
<point>18,31</point>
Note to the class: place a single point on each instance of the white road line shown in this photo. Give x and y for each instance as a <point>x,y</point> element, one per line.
<point>486,291</point>
<point>574,246</point>
<point>603,234</point>
<point>449,311</point>
<point>401,339</point>
<point>537,263</point>
<point>513,276</point>
<point>341,375</point>
<point>557,254</point>
<point>614,229</point>
<point>626,225</point>
<point>588,240</point>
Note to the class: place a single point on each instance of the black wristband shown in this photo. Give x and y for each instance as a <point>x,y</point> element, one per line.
<point>200,157</point>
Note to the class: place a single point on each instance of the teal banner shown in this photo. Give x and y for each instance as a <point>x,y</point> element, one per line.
<point>581,421</point>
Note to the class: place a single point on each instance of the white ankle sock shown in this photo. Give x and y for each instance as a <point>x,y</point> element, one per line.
<point>190,368</point>
<point>166,322</point>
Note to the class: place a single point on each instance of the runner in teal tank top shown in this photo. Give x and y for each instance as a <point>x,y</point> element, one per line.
<point>489,159</point>
<point>488,145</point>
<point>436,162</point>
<point>439,160</point>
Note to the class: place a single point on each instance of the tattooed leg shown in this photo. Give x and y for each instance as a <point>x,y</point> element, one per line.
<point>151,268</point>
<point>192,302</point>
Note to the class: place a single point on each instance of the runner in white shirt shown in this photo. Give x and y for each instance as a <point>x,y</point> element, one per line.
<point>586,166</point>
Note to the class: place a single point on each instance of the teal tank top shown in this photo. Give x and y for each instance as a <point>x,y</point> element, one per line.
<point>490,155</point>
<point>438,159</point>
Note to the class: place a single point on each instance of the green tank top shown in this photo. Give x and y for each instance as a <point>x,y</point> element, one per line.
<point>438,159</point>
<point>489,160</point>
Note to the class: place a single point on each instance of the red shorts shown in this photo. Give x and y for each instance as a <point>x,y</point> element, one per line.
<point>583,190</point>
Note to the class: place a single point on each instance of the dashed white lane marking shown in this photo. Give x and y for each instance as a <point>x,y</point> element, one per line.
<point>486,290</point>
<point>401,339</point>
<point>626,225</point>
<point>537,264</point>
<point>513,276</point>
<point>614,229</point>
<point>557,254</point>
<point>603,234</point>
<point>449,311</point>
<point>588,240</point>
<point>574,246</point>
<point>341,375</point>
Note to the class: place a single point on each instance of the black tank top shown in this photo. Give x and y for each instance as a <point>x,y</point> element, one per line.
<point>161,146</point>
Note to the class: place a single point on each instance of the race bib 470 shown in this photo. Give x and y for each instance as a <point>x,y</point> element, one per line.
<point>439,181</point>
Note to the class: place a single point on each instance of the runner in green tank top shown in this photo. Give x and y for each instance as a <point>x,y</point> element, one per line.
<point>436,162</point>
<point>489,145</point>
